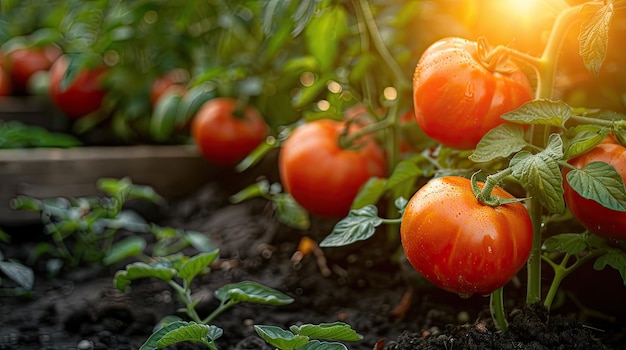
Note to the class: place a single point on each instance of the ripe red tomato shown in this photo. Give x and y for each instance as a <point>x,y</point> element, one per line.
<point>83,95</point>
<point>223,136</point>
<point>461,245</point>
<point>24,62</point>
<point>457,99</point>
<point>5,83</point>
<point>592,215</point>
<point>174,81</point>
<point>320,175</point>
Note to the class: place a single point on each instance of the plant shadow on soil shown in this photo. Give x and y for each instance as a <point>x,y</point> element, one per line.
<point>386,302</point>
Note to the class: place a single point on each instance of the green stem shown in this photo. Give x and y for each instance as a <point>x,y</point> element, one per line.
<point>562,270</point>
<point>533,288</point>
<point>484,196</point>
<point>379,44</point>
<point>223,307</point>
<point>594,121</point>
<point>347,141</point>
<point>185,297</point>
<point>496,306</point>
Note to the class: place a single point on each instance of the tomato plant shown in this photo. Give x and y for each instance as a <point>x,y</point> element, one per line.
<point>460,92</point>
<point>595,217</point>
<point>22,63</point>
<point>80,96</point>
<point>174,81</point>
<point>460,244</point>
<point>226,133</point>
<point>320,174</point>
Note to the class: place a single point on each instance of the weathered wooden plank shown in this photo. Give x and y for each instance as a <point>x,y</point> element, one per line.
<point>173,171</point>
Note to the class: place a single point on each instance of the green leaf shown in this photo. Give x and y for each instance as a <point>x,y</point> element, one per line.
<point>360,224</point>
<point>164,117</point>
<point>259,189</point>
<point>290,213</point>
<point>329,331</point>
<point>499,142</point>
<point>369,193</point>
<point>124,248</point>
<point>303,14</point>
<point>585,138</point>
<point>280,338</point>
<point>594,34</point>
<point>568,243</point>
<point>152,342</point>
<point>543,112</point>
<point>599,181</point>
<point>196,265</point>
<point>616,258</point>
<point>257,154</point>
<point>139,270</point>
<point>199,241</point>
<point>18,273</point>
<point>403,172</point>
<point>194,332</point>
<point>318,345</point>
<point>251,292</point>
<point>323,34</point>
<point>540,174</point>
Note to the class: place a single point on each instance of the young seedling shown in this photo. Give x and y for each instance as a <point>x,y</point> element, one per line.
<point>179,271</point>
<point>309,336</point>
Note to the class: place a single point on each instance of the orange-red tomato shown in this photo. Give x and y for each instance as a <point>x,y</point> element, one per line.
<point>457,99</point>
<point>592,215</point>
<point>82,96</point>
<point>174,81</point>
<point>461,245</point>
<point>320,175</point>
<point>24,62</point>
<point>5,83</point>
<point>224,135</point>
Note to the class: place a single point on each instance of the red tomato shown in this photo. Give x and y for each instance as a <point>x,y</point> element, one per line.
<point>320,175</point>
<point>461,245</point>
<point>457,99</point>
<point>174,81</point>
<point>592,215</point>
<point>83,95</point>
<point>5,83</point>
<point>223,136</point>
<point>23,63</point>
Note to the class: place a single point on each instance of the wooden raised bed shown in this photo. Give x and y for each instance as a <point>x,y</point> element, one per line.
<point>173,171</point>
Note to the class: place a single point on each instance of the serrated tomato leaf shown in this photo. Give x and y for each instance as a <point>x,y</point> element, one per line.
<point>568,243</point>
<point>540,174</point>
<point>251,292</point>
<point>328,331</point>
<point>585,137</point>
<point>616,258</point>
<point>360,224</point>
<point>499,142</point>
<point>542,111</point>
<point>280,338</point>
<point>594,34</point>
<point>599,181</point>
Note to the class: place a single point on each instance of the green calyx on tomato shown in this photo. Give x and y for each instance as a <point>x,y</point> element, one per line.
<point>224,138</point>
<point>320,175</point>
<point>80,96</point>
<point>458,99</point>
<point>461,245</point>
<point>595,217</point>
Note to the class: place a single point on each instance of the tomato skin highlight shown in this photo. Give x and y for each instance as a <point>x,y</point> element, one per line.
<point>84,94</point>
<point>461,245</point>
<point>457,100</point>
<point>596,218</point>
<point>224,138</point>
<point>320,175</point>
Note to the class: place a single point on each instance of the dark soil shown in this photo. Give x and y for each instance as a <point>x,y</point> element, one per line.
<point>361,285</point>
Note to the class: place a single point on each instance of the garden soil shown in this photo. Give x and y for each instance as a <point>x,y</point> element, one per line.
<point>368,285</point>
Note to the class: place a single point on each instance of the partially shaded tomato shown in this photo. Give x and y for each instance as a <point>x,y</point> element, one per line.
<point>323,177</point>
<point>225,135</point>
<point>174,81</point>
<point>5,83</point>
<point>461,245</point>
<point>24,62</point>
<point>83,95</point>
<point>595,217</point>
<point>458,99</point>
